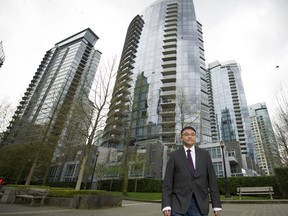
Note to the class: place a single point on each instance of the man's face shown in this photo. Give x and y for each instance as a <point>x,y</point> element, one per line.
<point>188,137</point>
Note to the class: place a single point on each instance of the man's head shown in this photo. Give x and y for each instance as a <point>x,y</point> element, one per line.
<point>188,136</point>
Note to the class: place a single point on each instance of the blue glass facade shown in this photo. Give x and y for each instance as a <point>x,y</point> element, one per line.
<point>230,106</point>
<point>64,78</point>
<point>165,86</point>
<point>266,147</point>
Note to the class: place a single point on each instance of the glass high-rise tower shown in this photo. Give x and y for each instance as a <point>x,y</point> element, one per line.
<point>230,115</point>
<point>265,142</point>
<point>63,78</point>
<point>161,84</point>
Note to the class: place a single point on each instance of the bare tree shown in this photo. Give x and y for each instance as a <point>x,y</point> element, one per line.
<point>280,123</point>
<point>134,109</point>
<point>139,166</point>
<point>102,93</point>
<point>186,114</point>
<point>6,112</point>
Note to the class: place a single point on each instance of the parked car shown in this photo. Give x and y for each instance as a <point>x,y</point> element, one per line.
<point>5,181</point>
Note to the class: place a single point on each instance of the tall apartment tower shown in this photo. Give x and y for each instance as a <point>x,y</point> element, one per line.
<point>2,55</point>
<point>265,143</point>
<point>64,78</point>
<point>161,84</point>
<point>230,115</point>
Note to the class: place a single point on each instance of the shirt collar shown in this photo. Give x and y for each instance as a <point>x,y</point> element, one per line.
<point>192,148</point>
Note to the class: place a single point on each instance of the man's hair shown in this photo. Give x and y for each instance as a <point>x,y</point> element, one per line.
<point>187,127</point>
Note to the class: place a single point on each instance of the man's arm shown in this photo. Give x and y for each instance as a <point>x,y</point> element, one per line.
<point>167,184</point>
<point>213,186</point>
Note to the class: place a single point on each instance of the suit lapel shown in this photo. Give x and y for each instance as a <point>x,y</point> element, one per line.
<point>197,160</point>
<point>184,159</point>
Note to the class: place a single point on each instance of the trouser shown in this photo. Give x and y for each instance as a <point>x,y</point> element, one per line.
<point>193,209</point>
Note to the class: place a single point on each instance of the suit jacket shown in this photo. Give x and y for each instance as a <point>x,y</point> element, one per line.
<point>179,184</point>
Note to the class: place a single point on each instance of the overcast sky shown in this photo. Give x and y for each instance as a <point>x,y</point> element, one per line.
<point>252,32</point>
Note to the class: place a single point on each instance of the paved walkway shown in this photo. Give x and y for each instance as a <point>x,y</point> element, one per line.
<point>134,208</point>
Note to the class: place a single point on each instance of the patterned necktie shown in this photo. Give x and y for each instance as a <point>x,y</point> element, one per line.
<point>190,161</point>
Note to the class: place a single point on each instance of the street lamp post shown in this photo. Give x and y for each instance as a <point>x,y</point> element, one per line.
<point>94,167</point>
<point>227,192</point>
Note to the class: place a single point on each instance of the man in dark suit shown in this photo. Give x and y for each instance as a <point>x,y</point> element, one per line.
<point>188,181</point>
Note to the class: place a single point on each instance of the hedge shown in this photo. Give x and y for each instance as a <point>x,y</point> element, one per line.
<point>153,185</point>
<point>281,175</point>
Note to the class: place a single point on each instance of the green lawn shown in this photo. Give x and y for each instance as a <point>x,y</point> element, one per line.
<point>140,196</point>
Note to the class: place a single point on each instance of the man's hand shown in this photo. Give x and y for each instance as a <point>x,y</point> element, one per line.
<point>167,213</point>
<point>217,213</point>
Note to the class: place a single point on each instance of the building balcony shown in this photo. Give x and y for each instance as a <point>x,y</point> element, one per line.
<point>169,57</point>
<point>35,78</point>
<point>168,121</point>
<point>168,112</point>
<point>169,71</point>
<point>170,28</point>
<point>171,18</point>
<point>112,138</point>
<point>169,51</point>
<point>172,10</point>
<point>122,90</point>
<point>168,132</point>
<point>126,64</point>
<point>18,111</point>
<point>113,129</point>
<point>171,63</point>
<point>165,95</point>
<point>172,5</point>
<point>170,33</point>
<point>119,96</point>
<point>124,78</point>
<point>119,105</point>
<point>114,120</point>
<point>172,23</point>
<point>168,140</point>
<point>168,86</point>
<point>169,78</point>
<point>170,45</point>
<point>128,55</point>
<point>117,113</point>
<point>167,103</point>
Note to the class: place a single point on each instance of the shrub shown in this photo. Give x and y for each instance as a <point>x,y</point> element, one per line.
<point>281,175</point>
<point>70,193</point>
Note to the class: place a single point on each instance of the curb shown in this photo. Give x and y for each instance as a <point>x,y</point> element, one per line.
<point>274,201</point>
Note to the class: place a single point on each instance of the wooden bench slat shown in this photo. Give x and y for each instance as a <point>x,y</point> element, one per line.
<point>33,194</point>
<point>255,191</point>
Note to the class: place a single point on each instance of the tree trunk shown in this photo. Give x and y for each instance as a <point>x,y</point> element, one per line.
<point>28,180</point>
<point>126,169</point>
<point>81,172</point>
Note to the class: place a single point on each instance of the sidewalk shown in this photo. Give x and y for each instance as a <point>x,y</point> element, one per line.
<point>134,208</point>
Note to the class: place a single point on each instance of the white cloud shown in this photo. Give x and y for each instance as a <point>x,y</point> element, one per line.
<point>253,33</point>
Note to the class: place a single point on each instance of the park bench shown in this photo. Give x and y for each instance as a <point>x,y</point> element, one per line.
<point>268,190</point>
<point>33,194</point>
